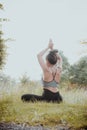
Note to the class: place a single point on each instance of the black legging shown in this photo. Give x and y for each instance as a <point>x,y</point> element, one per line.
<point>47,96</point>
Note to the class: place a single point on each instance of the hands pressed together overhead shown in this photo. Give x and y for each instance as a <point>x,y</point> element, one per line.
<point>50,45</point>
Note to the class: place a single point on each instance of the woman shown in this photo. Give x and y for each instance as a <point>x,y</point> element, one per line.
<point>51,76</point>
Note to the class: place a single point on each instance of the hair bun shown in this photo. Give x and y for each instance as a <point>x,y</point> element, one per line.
<point>52,56</point>
<point>54,51</point>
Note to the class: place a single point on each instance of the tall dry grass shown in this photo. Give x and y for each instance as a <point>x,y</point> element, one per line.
<point>72,112</point>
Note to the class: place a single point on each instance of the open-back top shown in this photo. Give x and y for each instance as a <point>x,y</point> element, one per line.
<point>52,83</point>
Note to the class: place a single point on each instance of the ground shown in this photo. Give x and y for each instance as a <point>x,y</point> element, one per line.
<point>69,115</point>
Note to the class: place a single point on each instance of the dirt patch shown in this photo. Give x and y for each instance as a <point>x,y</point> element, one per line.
<point>13,126</point>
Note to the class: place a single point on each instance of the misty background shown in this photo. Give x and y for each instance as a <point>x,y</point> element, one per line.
<point>32,23</point>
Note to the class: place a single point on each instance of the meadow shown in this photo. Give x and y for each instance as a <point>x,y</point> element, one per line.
<point>72,112</point>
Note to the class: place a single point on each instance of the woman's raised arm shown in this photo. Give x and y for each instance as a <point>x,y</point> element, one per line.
<point>40,55</point>
<point>59,62</point>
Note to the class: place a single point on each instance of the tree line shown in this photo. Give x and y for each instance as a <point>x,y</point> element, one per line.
<point>76,73</point>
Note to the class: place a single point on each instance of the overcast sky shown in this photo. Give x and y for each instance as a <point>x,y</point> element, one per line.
<point>33,22</point>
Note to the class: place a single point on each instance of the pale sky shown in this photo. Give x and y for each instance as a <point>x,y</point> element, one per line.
<point>33,22</point>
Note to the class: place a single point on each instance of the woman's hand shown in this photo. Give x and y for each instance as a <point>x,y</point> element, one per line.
<point>50,45</point>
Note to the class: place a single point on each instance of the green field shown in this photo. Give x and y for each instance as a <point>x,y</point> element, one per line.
<point>72,112</point>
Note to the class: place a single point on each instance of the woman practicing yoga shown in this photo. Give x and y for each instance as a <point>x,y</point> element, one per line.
<point>51,76</point>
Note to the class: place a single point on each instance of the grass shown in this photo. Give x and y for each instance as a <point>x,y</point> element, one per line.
<point>72,112</point>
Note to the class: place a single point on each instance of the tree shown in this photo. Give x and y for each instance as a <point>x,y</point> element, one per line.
<point>6,81</point>
<point>2,42</point>
<point>78,72</point>
<point>24,80</point>
<point>1,6</point>
<point>66,66</point>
